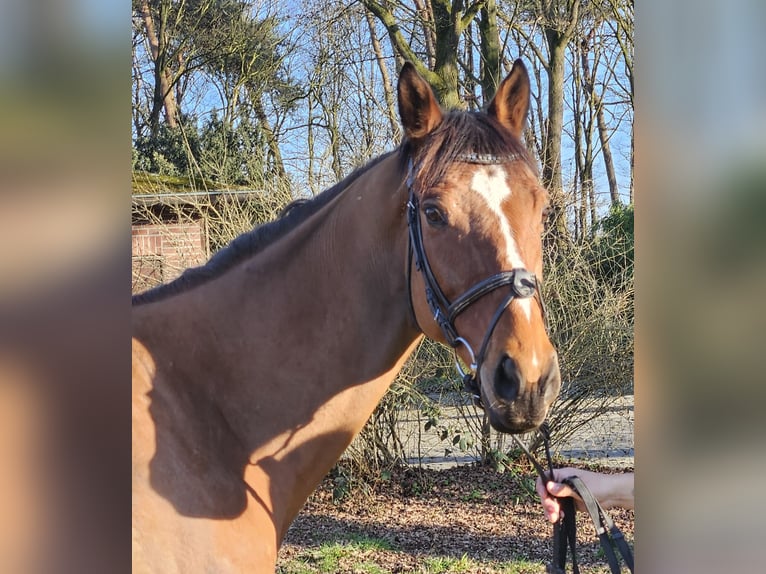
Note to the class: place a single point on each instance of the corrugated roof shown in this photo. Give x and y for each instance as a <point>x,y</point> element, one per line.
<point>192,197</point>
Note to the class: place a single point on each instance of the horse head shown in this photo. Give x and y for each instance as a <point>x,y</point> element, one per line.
<point>476,217</point>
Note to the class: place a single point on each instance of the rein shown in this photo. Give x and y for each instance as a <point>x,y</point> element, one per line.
<point>522,283</point>
<point>565,530</point>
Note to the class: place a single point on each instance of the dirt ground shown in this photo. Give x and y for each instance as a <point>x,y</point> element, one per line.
<point>422,514</point>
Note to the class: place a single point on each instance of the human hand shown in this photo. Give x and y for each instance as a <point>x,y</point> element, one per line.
<point>609,489</point>
<point>552,489</point>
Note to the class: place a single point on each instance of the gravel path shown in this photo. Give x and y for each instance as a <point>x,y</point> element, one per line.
<point>606,440</point>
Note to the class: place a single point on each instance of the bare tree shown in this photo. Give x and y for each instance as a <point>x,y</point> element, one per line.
<point>350,92</point>
<point>388,86</point>
<point>597,103</point>
<point>559,19</point>
<point>450,19</point>
<point>489,47</point>
<point>156,24</point>
<point>620,19</point>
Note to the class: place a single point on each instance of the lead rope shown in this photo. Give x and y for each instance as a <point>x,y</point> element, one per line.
<point>565,530</point>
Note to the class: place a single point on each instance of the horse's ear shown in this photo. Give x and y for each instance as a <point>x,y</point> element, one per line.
<point>419,111</point>
<point>511,102</point>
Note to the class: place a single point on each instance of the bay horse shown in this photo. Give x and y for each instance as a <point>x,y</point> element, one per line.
<point>253,373</point>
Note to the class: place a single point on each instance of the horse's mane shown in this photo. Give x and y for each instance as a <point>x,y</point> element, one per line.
<point>459,133</point>
<point>251,242</point>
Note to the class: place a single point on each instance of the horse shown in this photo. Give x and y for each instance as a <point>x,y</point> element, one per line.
<point>253,372</point>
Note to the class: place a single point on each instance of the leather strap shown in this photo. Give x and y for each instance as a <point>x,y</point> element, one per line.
<point>608,534</point>
<point>565,530</point>
<point>564,538</point>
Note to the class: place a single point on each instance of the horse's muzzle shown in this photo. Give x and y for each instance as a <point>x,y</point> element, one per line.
<point>521,401</point>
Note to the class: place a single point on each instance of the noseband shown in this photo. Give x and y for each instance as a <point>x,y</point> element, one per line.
<point>522,284</point>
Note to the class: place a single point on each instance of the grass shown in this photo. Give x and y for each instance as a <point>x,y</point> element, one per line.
<point>448,565</point>
<point>334,556</point>
<point>370,544</point>
<point>522,567</point>
<point>444,564</point>
<point>362,555</point>
<point>474,496</point>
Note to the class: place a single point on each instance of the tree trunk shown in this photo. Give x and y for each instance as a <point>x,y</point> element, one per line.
<point>558,33</point>
<point>310,142</point>
<point>469,83</point>
<point>447,43</point>
<point>632,164</point>
<point>138,124</point>
<point>388,90</point>
<point>490,50</point>
<point>449,20</point>
<point>424,12</point>
<point>552,174</point>
<point>277,165</point>
<point>606,152</point>
<point>579,155</point>
<point>597,105</point>
<point>163,92</point>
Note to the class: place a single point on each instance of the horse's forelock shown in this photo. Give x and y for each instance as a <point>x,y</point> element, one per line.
<point>462,133</point>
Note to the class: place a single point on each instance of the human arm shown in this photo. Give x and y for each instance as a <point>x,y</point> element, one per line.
<point>611,490</point>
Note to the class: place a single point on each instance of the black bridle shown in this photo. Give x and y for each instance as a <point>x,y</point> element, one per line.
<point>522,283</point>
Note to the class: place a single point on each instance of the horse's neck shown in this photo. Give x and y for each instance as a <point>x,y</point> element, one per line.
<point>298,345</point>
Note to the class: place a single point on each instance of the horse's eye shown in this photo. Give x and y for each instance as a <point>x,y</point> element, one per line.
<point>434,216</point>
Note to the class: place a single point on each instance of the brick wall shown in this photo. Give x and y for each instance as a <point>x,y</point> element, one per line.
<point>162,252</point>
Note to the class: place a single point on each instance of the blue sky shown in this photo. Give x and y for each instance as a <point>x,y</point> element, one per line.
<point>294,144</point>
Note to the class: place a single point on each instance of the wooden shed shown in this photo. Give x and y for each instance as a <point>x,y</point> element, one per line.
<point>170,233</point>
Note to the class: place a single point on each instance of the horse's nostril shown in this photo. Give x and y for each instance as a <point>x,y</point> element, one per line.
<point>550,382</point>
<point>507,379</point>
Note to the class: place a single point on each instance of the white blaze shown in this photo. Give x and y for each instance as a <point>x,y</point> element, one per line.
<point>489,183</point>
